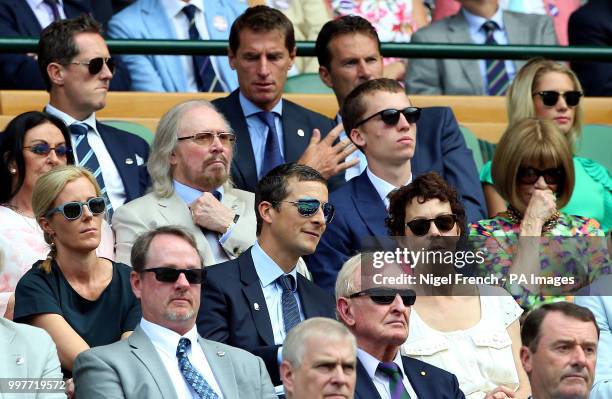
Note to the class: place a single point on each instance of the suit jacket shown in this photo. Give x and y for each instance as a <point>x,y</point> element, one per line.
<point>360,212</point>
<point>428,381</point>
<point>151,211</point>
<point>27,352</point>
<point>147,19</point>
<point>298,123</point>
<point>20,71</point>
<point>233,309</point>
<point>461,77</point>
<point>131,368</point>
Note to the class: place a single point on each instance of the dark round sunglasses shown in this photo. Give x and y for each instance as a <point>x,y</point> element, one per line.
<point>74,209</point>
<point>310,206</point>
<point>95,64</point>
<point>531,175</point>
<point>385,296</point>
<point>170,274</point>
<point>391,116</point>
<point>444,223</point>
<point>551,97</point>
<point>45,149</point>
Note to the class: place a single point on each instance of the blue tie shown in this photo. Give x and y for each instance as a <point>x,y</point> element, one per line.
<point>53,6</point>
<point>87,158</point>
<point>217,195</point>
<point>204,72</point>
<point>396,386</point>
<point>272,154</point>
<point>191,375</point>
<point>497,76</point>
<point>291,312</point>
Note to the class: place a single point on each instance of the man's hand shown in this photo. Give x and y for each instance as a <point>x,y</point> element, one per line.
<point>501,392</point>
<point>325,157</point>
<point>211,214</point>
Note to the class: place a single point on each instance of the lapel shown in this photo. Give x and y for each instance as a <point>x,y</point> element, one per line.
<point>221,366</point>
<point>458,32</point>
<point>15,363</point>
<point>254,295</point>
<point>296,131</point>
<point>74,8</point>
<point>28,23</point>
<point>309,299</point>
<point>515,32</point>
<point>420,380</point>
<point>364,388</point>
<point>231,201</point>
<point>369,205</point>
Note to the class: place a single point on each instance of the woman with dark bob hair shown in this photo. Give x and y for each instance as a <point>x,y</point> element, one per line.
<point>472,332</point>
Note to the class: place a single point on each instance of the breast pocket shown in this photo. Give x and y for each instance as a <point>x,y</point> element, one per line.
<point>494,355</point>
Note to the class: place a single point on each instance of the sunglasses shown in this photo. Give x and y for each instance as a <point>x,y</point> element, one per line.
<point>74,209</point>
<point>227,139</point>
<point>310,206</point>
<point>385,296</point>
<point>444,223</point>
<point>391,116</point>
<point>45,149</point>
<point>531,175</point>
<point>95,64</point>
<point>550,97</point>
<point>170,274</point>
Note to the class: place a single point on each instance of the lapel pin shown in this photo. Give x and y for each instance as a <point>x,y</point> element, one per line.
<point>129,161</point>
<point>19,360</point>
<point>423,373</point>
<point>256,306</point>
<point>300,133</point>
<point>220,353</point>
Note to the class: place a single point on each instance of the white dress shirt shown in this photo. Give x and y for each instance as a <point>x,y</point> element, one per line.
<point>383,187</point>
<point>380,379</point>
<point>43,12</point>
<point>165,342</point>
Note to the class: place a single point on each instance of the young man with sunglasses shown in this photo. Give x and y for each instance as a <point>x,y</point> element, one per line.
<point>165,357</point>
<point>253,301</point>
<point>77,69</point>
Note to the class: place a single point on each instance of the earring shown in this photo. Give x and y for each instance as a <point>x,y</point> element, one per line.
<point>13,171</point>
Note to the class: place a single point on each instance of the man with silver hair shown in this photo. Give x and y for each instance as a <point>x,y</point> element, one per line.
<point>189,167</point>
<point>319,358</point>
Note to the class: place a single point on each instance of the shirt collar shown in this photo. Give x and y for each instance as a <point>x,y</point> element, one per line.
<point>370,363</point>
<point>175,7</point>
<point>267,270</point>
<point>69,120</point>
<point>475,21</point>
<point>249,109</point>
<point>190,194</point>
<point>383,188</point>
<point>165,338</point>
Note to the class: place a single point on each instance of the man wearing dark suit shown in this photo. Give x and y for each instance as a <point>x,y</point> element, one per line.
<point>262,50</point>
<point>253,301</point>
<point>78,82</point>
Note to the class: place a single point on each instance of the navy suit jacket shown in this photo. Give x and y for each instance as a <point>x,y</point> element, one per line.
<point>295,117</point>
<point>233,309</point>
<point>429,382</point>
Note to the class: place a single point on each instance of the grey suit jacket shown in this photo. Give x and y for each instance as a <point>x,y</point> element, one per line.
<point>462,77</point>
<point>150,211</point>
<point>27,352</point>
<point>131,368</point>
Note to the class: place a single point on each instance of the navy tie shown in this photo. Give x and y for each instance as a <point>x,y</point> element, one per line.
<point>54,9</point>
<point>497,76</point>
<point>272,153</point>
<point>190,374</point>
<point>204,72</point>
<point>291,312</point>
<point>396,386</point>
<point>217,195</point>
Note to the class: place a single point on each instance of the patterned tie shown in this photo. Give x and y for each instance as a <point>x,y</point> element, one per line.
<point>272,154</point>
<point>191,375</point>
<point>204,72</point>
<point>87,158</point>
<point>54,9</point>
<point>396,386</point>
<point>497,76</point>
<point>291,312</point>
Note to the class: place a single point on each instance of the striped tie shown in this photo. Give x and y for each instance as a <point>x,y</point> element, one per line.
<point>190,374</point>
<point>396,386</point>
<point>497,76</point>
<point>291,312</point>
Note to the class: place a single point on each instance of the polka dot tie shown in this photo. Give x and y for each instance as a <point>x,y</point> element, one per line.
<point>191,375</point>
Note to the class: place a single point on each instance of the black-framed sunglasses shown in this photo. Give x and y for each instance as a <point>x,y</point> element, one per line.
<point>95,64</point>
<point>309,207</point>
<point>74,209</point>
<point>171,274</point>
<point>531,175</point>
<point>44,149</point>
<point>385,296</point>
<point>444,223</point>
<point>391,116</point>
<point>227,139</point>
<point>551,97</point>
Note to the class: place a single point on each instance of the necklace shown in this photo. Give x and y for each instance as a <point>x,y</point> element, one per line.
<point>516,217</point>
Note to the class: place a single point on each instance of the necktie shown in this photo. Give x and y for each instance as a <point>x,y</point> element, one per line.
<point>217,195</point>
<point>396,387</point>
<point>497,76</point>
<point>272,154</point>
<point>204,72</point>
<point>191,375</point>
<point>87,158</point>
<point>54,9</point>
<point>291,312</point>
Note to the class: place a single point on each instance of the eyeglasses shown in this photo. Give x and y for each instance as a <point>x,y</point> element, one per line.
<point>95,64</point>
<point>391,116</point>
<point>227,139</point>
<point>170,274</point>
<point>385,296</point>
<point>309,207</point>
<point>444,223</point>
<point>45,149</point>
<point>531,175</point>
<point>74,209</point>
<point>551,97</point>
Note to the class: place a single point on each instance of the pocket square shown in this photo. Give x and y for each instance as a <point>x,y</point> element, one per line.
<point>139,160</point>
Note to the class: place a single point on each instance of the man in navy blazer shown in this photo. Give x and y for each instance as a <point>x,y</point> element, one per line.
<point>253,301</point>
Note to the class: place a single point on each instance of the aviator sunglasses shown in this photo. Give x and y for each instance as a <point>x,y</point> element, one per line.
<point>391,116</point>
<point>170,274</point>
<point>444,223</point>
<point>531,175</point>
<point>551,97</point>
<point>45,149</point>
<point>95,64</point>
<point>309,207</point>
<point>74,209</point>
<point>385,296</point>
